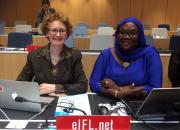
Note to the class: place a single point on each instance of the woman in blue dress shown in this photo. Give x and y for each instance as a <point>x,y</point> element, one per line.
<point>131,68</point>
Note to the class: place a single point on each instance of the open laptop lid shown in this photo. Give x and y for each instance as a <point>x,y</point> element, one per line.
<point>27,90</point>
<point>161,103</point>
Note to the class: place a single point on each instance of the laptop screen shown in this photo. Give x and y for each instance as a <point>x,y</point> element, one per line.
<point>27,90</point>
<point>161,103</point>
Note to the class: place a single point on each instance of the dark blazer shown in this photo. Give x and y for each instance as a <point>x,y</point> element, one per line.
<point>42,14</point>
<point>67,74</point>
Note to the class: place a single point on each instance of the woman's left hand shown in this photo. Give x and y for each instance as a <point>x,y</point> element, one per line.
<point>46,88</point>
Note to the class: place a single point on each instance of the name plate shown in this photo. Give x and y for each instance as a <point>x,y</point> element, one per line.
<point>93,122</point>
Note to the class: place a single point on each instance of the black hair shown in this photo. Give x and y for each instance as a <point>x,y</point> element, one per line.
<point>45,2</point>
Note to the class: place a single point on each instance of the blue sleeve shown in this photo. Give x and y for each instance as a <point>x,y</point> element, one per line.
<point>154,72</point>
<point>98,73</point>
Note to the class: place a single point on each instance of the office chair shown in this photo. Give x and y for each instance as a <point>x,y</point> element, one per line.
<point>100,42</point>
<point>167,26</point>
<point>23,28</point>
<point>19,40</point>
<point>70,41</point>
<point>149,40</point>
<point>174,42</point>
<point>80,31</point>
<point>21,22</point>
<point>3,22</point>
<point>105,31</point>
<point>159,33</point>
<point>103,24</point>
<point>1,28</point>
<point>83,24</point>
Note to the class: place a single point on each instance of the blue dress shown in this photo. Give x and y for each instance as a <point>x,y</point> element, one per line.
<point>143,71</point>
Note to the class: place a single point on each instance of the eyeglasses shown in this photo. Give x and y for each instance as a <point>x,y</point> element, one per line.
<point>125,33</point>
<point>55,31</point>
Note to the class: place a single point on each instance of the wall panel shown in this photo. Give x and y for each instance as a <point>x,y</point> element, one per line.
<point>61,6</point>
<point>150,12</point>
<point>12,10</point>
<point>105,11</point>
<point>80,11</point>
<point>123,10</point>
<point>173,13</point>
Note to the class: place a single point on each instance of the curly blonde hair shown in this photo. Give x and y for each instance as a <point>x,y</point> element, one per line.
<point>53,17</point>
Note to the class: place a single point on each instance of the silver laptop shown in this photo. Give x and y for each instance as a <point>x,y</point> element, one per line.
<point>27,90</point>
<point>160,104</point>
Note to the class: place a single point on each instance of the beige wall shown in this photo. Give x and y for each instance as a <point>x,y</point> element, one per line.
<point>150,12</point>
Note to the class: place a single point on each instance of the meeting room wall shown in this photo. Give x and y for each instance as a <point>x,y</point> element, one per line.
<point>12,10</point>
<point>151,12</point>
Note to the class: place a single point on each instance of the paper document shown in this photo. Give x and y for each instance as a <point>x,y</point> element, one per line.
<point>18,124</point>
<point>80,101</point>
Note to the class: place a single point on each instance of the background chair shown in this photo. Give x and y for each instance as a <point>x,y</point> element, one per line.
<point>167,26</point>
<point>70,41</point>
<point>23,28</point>
<point>149,40</point>
<point>103,24</point>
<point>83,24</point>
<point>100,42</point>
<point>178,32</point>
<point>1,28</point>
<point>105,31</point>
<point>174,43</point>
<point>19,40</point>
<point>21,22</point>
<point>159,33</point>
<point>3,22</point>
<point>80,31</point>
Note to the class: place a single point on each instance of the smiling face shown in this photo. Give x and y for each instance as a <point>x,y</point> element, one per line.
<point>128,36</point>
<point>57,33</point>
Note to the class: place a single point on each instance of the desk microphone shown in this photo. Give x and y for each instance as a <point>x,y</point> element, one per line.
<point>65,108</point>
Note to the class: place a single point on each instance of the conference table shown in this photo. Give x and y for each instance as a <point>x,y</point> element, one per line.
<point>47,118</point>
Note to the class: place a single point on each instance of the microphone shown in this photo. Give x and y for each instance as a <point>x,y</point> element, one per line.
<point>65,108</point>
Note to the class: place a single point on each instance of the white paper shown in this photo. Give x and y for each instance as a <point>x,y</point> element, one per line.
<point>19,124</point>
<point>80,101</point>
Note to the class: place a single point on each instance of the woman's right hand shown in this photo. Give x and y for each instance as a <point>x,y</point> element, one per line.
<point>130,91</point>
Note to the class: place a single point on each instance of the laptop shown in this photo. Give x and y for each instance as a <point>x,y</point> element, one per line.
<point>27,90</point>
<point>160,104</point>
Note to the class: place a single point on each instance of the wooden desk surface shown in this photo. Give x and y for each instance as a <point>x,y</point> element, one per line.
<point>10,69</point>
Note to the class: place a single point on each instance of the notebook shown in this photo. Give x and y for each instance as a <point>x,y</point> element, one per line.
<point>27,90</point>
<point>160,104</point>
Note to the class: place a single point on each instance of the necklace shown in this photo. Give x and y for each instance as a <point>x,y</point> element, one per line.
<point>125,64</point>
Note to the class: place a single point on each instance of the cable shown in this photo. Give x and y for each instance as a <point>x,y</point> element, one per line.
<point>43,109</point>
<point>5,114</point>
